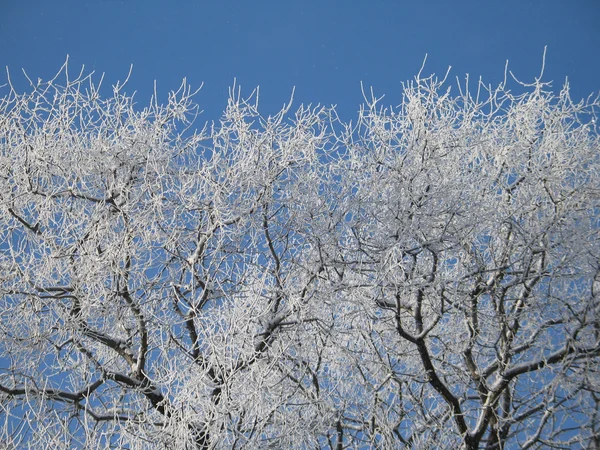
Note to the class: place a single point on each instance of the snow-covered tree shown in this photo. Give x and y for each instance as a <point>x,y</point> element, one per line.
<point>427,276</point>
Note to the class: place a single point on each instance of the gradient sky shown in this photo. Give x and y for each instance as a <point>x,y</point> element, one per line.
<point>323,48</point>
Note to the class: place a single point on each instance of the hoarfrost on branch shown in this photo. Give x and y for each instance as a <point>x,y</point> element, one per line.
<point>425,276</point>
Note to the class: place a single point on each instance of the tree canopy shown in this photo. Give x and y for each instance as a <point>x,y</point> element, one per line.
<point>425,276</point>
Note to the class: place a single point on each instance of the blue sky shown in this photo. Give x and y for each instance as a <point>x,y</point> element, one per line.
<point>323,48</point>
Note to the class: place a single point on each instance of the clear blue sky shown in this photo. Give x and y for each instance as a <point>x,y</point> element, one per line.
<point>324,48</point>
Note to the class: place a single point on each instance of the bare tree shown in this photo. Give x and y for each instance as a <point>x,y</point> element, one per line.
<point>425,277</point>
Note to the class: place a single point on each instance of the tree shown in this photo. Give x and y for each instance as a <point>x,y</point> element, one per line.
<point>425,277</point>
